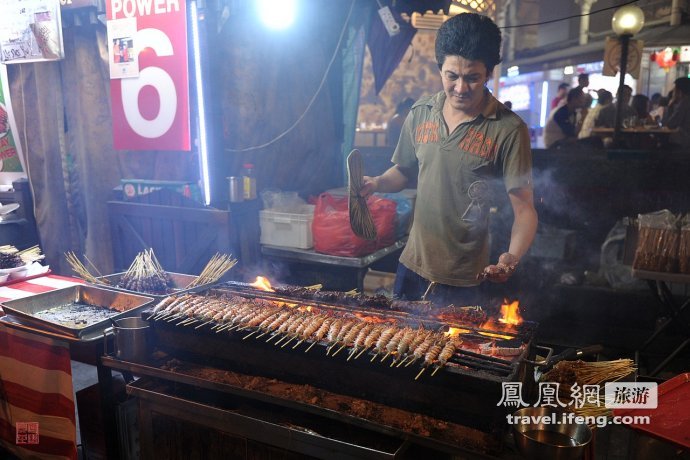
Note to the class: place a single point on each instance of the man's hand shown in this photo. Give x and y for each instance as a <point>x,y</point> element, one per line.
<point>369,186</point>
<point>504,269</point>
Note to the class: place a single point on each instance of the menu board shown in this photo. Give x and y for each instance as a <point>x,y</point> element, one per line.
<point>30,30</point>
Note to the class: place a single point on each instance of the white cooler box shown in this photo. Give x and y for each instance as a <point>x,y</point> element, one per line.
<point>286,228</point>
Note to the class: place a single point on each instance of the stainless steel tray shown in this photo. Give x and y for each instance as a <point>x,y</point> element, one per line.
<point>124,305</point>
<point>180,283</point>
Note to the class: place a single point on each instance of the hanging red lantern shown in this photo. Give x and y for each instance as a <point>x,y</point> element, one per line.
<point>652,57</point>
<point>666,58</point>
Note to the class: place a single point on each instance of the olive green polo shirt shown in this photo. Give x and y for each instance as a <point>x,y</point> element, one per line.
<point>494,147</point>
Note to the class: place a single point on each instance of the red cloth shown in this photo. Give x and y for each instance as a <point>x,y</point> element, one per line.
<point>36,383</point>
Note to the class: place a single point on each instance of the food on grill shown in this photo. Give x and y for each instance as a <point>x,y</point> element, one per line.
<point>658,242</point>
<point>76,315</point>
<point>290,324</point>
<point>465,315</point>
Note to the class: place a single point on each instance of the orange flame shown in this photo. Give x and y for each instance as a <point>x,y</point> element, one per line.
<point>262,284</point>
<point>455,331</point>
<point>510,313</point>
<point>510,317</point>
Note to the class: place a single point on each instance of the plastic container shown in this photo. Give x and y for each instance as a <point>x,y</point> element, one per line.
<point>249,181</point>
<point>287,229</point>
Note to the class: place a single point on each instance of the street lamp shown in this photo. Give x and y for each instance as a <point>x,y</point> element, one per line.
<point>626,22</point>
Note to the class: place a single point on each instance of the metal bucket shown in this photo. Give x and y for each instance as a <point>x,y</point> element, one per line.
<point>131,339</point>
<point>236,191</point>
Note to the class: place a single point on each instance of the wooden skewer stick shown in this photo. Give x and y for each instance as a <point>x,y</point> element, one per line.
<point>250,334</point>
<point>384,358</point>
<point>204,324</point>
<point>410,362</point>
<point>360,353</point>
<point>309,347</point>
<point>374,357</point>
<point>420,373</point>
<point>338,351</point>
<point>436,370</point>
<point>402,361</point>
<point>291,339</point>
<point>297,344</point>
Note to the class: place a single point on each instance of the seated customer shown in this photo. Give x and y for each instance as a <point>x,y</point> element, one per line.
<point>562,124</point>
<point>605,99</point>
<point>640,104</point>
<point>677,116</point>
<point>607,115</point>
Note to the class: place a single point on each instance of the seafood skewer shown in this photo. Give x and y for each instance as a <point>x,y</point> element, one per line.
<point>445,355</point>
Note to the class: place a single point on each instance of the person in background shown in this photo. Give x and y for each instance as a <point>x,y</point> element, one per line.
<point>605,98</point>
<point>560,95</point>
<point>654,101</point>
<point>459,142</point>
<point>607,115</point>
<point>657,113</point>
<point>562,124</point>
<point>396,122</point>
<point>677,115</point>
<point>583,82</point>
<point>640,104</point>
<point>508,104</point>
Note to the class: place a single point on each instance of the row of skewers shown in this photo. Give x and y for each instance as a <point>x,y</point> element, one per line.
<point>285,325</point>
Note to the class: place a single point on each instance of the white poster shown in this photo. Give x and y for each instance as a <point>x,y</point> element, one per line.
<point>124,59</point>
<point>30,30</point>
<point>11,158</point>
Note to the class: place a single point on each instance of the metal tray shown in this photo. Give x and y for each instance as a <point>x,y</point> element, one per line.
<point>180,282</point>
<point>125,304</point>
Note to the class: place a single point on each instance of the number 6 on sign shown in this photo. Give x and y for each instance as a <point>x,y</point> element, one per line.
<point>156,77</point>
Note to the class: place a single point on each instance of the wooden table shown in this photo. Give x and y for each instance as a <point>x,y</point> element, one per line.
<point>639,138</point>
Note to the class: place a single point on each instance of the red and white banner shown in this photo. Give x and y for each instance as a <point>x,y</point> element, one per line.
<point>151,110</point>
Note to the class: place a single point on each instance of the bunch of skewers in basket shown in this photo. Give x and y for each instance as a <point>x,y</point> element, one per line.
<point>146,275</point>
<point>11,257</point>
<point>293,326</point>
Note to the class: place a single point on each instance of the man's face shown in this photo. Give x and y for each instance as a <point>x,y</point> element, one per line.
<point>463,82</point>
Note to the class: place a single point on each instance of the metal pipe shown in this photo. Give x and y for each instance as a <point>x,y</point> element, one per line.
<point>625,40</point>
<point>676,13</point>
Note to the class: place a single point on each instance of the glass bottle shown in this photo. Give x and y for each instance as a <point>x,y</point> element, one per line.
<point>249,181</point>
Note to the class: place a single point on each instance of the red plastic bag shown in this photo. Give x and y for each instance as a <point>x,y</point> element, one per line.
<point>332,232</point>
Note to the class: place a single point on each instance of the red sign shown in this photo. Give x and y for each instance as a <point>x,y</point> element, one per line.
<point>151,111</point>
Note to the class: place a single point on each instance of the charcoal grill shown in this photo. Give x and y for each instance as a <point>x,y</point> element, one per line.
<point>464,393</point>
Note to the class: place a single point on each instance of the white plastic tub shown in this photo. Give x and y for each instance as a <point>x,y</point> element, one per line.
<point>286,228</point>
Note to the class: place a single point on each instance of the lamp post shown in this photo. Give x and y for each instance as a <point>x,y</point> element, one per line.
<point>626,22</point>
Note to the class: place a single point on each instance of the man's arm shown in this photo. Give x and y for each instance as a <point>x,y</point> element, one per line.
<point>393,180</point>
<point>524,222</point>
<point>521,235</point>
<point>562,119</point>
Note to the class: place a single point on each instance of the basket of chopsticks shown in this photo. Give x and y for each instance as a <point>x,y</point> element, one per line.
<point>146,275</point>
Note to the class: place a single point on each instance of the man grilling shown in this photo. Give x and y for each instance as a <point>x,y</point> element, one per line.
<point>456,143</point>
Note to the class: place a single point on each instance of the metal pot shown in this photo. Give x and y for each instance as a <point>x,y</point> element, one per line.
<point>131,338</point>
<point>540,440</point>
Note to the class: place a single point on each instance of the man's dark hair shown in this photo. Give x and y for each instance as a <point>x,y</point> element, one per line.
<point>582,77</point>
<point>604,96</point>
<point>683,84</point>
<point>575,93</point>
<point>563,86</point>
<point>473,36</point>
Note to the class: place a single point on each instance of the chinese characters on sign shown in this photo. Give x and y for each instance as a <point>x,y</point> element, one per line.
<point>151,110</point>
<point>27,432</point>
<point>617,395</point>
